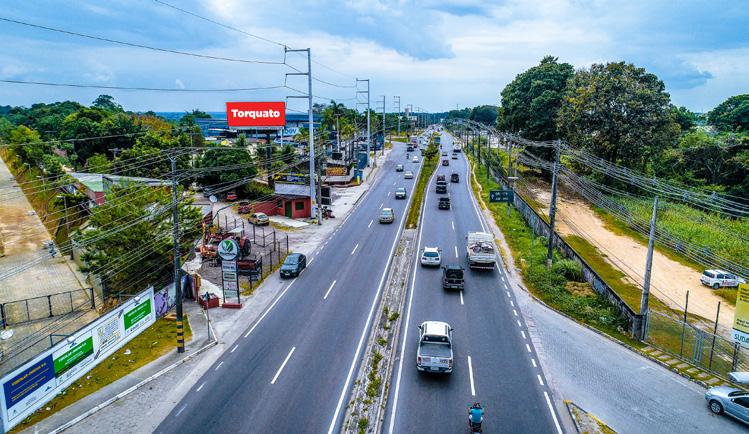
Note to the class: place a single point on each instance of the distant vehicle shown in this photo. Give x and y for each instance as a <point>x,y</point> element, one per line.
<point>444,153</point>
<point>456,148</point>
<point>441,187</point>
<point>387,215</point>
<point>455,156</point>
<point>481,250</point>
<point>445,162</point>
<point>244,207</point>
<point>409,148</point>
<point>719,279</point>
<point>430,256</point>
<point>728,400</point>
<point>435,353</point>
<point>400,193</point>
<point>444,202</point>
<point>452,277</point>
<point>440,177</point>
<point>232,195</point>
<point>415,159</point>
<point>408,175</point>
<point>293,265</point>
<point>399,168</point>
<point>258,219</point>
<point>454,177</point>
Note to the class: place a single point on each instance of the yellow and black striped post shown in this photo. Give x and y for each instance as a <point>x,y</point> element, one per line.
<point>180,336</point>
<point>175,239</point>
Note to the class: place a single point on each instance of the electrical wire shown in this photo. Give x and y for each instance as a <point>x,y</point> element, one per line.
<point>137,88</point>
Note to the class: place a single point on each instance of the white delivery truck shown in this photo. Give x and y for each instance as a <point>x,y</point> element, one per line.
<point>481,250</point>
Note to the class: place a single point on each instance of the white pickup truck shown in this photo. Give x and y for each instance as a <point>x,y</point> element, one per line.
<point>435,353</point>
<point>482,252</point>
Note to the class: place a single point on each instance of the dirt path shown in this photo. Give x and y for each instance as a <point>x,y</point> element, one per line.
<point>670,280</point>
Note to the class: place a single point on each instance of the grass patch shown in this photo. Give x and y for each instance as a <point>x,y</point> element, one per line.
<point>727,294</point>
<point>247,289</point>
<point>431,157</point>
<point>153,343</point>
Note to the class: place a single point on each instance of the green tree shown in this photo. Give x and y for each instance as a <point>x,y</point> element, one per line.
<point>99,163</point>
<point>619,112</point>
<point>531,102</point>
<point>28,145</point>
<point>732,114</point>
<point>685,118</point>
<point>106,102</point>
<point>486,114</point>
<point>215,157</point>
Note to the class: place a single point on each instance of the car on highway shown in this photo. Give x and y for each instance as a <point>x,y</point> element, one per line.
<point>435,352</point>
<point>454,177</point>
<point>415,159</point>
<point>730,401</point>
<point>452,277</point>
<point>293,265</point>
<point>443,203</point>
<point>408,175</point>
<point>387,215</point>
<point>430,256</point>
<point>399,168</point>
<point>258,219</point>
<point>444,153</point>
<point>441,186</point>
<point>720,279</point>
<point>445,162</point>
<point>410,148</point>
<point>455,155</point>
<point>400,193</point>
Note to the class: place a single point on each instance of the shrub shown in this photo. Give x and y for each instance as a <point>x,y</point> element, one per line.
<point>569,269</point>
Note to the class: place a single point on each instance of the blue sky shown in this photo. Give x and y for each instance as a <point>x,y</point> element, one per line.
<point>434,54</point>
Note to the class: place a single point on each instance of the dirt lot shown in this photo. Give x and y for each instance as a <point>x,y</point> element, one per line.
<point>670,280</point>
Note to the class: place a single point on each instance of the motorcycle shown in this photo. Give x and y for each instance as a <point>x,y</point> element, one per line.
<point>475,427</point>
<point>327,213</point>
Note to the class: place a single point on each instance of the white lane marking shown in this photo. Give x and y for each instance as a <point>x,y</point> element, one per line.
<point>540,381</point>
<point>519,325</point>
<point>181,410</point>
<point>502,277</point>
<point>528,347</point>
<point>200,387</point>
<point>452,224</point>
<point>470,376</point>
<point>388,195</point>
<point>515,312</point>
<point>523,333</point>
<point>269,308</point>
<point>383,203</point>
<point>273,381</point>
<point>234,349</point>
<point>355,247</point>
<point>219,365</point>
<point>310,262</point>
<point>345,389</point>
<point>508,293</point>
<point>506,287</point>
<point>456,251</point>
<point>370,223</point>
<point>554,415</point>
<point>461,298</point>
<point>512,303</point>
<point>534,362</point>
<point>329,289</point>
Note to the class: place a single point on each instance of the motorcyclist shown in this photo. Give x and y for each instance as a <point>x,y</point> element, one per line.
<point>407,155</point>
<point>475,416</point>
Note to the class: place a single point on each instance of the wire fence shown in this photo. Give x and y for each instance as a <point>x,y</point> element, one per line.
<point>31,309</point>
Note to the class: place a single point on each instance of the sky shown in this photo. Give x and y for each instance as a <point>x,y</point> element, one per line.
<point>434,54</point>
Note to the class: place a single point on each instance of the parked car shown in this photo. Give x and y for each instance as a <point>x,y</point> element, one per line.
<point>452,277</point>
<point>400,193</point>
<point>445,162</point>
<point>728,400</point>
<point>387,215</point>
<point>399,168</point>
<point>444,203</point>
<point>408,175</point>
<point>232,195</point>
<point>454,177</point>
<point>258,219</point>
<point>244,207</point>
<point>415,159</point>
<point>435,353</point>
<point>430,256</point>
<point>293,265</point>
<point>719,278</point>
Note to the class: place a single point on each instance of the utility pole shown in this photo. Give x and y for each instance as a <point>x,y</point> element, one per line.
<point>648,267</point>
<point>383,125</point>
<point>312,193</point>
<point>510,179</point>
<point>397,103</point>
<point>369,136</point>
<point>553,207</point>
<point>175,239</point>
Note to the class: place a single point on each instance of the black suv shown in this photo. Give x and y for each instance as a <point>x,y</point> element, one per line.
<point>444,203</point>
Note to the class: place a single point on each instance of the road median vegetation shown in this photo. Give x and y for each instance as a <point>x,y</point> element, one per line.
<point>429,165</point>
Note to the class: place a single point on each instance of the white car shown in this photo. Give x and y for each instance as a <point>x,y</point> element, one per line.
<point>719,278</point>
<point>408,175</point>
<point>415,159</point>
<point>430,256</point>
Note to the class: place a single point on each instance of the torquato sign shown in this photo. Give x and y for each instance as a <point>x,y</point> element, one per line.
<point>256,114</point>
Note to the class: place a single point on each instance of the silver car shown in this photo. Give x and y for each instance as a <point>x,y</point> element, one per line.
<point>387,215</point>
<point>408,175</point>
<point>733,402</point>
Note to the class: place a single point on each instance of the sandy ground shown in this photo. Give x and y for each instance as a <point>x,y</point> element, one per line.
<point>670,280</point>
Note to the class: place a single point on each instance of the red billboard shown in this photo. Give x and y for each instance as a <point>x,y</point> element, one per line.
<point>256,114</point>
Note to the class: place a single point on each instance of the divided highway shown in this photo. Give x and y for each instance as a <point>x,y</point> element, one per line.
<point>291,370</point>
<point>494,360</point>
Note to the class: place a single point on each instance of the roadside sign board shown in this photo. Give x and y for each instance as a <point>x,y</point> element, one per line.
<point>228,250</point>
<point>256,114</point>
<point>740,332</point>
<point>501,196</point>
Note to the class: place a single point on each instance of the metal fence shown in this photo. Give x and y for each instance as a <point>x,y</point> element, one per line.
<point>48,306</point>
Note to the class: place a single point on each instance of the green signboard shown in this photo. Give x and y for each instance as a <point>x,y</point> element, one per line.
<point>136,314</point>
<point>501,196</point>
<point>74,355</point>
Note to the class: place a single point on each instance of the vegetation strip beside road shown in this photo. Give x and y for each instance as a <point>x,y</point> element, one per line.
<point>431,157</point>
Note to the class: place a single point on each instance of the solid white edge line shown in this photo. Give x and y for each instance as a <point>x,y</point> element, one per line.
<point>456,251</point>
<point>329,289</point>
<point>528,347</point>
<point>523,333</point>
<point>288,356</point>
<point>259,320</point>
<point>181,410</point>
<point>219,365</point>
<point>515,312</point>
<point>370,223</point>
<point>470,376</point>
<point>553,414</point>
<point>512,303</point>
<point>344,391</point>
<point>461,297</point>
<point>540,381</point>
<point>355,247</point>
<point>519,324</point>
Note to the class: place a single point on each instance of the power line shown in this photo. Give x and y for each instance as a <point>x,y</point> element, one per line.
<point>138,88</point>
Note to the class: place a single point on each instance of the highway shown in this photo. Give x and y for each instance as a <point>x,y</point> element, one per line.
<point>494,360</point>
<point>291,370</point>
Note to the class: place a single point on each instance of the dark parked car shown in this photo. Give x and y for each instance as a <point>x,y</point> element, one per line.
<point>454,177</point>
<point>293,265</point>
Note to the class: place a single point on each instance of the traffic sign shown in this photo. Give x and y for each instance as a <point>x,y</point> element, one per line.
<point>501,196</point>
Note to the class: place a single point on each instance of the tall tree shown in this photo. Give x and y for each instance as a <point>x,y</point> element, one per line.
<point>106,102</point>
<point>732,114</point>
<point>684,117</point>
<point>619,112</point>
<point>486,114</point>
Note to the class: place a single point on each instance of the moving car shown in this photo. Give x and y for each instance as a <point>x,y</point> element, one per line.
<point>408,175</point>
<point>444,153</point>
<point>293,265</point>
<point>387,215</point>
<point>444,203</point>
<point>452,277</point>
<point>481,250</point>
<point>441,186</point>
<point>258,219</point>
<point>728,400</point>
<point>454,177</point>
<point>445,162</point>
<point>435,353</point>
<point>400,193</point>
<point>719,278</point>
<point>455,155</point>
<point>410,148</point>
<point>431,256</point>
<point>415,159</point>
<point>399,168</point>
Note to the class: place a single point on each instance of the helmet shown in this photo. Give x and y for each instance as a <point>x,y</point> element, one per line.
<point>476,405</point>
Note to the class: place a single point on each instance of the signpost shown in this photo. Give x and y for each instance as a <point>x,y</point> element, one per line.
<point>501,196</point>
<point>228,251</point>
<point>740,333</point>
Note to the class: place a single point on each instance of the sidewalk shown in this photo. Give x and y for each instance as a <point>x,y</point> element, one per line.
<point>144,409</point>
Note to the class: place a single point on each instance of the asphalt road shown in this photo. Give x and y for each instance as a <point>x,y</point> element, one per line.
<point>291,371</point>
<point>494,359</point>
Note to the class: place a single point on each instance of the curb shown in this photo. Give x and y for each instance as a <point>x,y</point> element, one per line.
<point>133,388</point>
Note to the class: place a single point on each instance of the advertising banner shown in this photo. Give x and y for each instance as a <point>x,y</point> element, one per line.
<point>256,114</point>
<point>740,331</point>
<point>34,383</point>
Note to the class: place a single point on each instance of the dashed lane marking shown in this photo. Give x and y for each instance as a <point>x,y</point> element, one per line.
<point>329,289</point>
<point>286,360</point>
